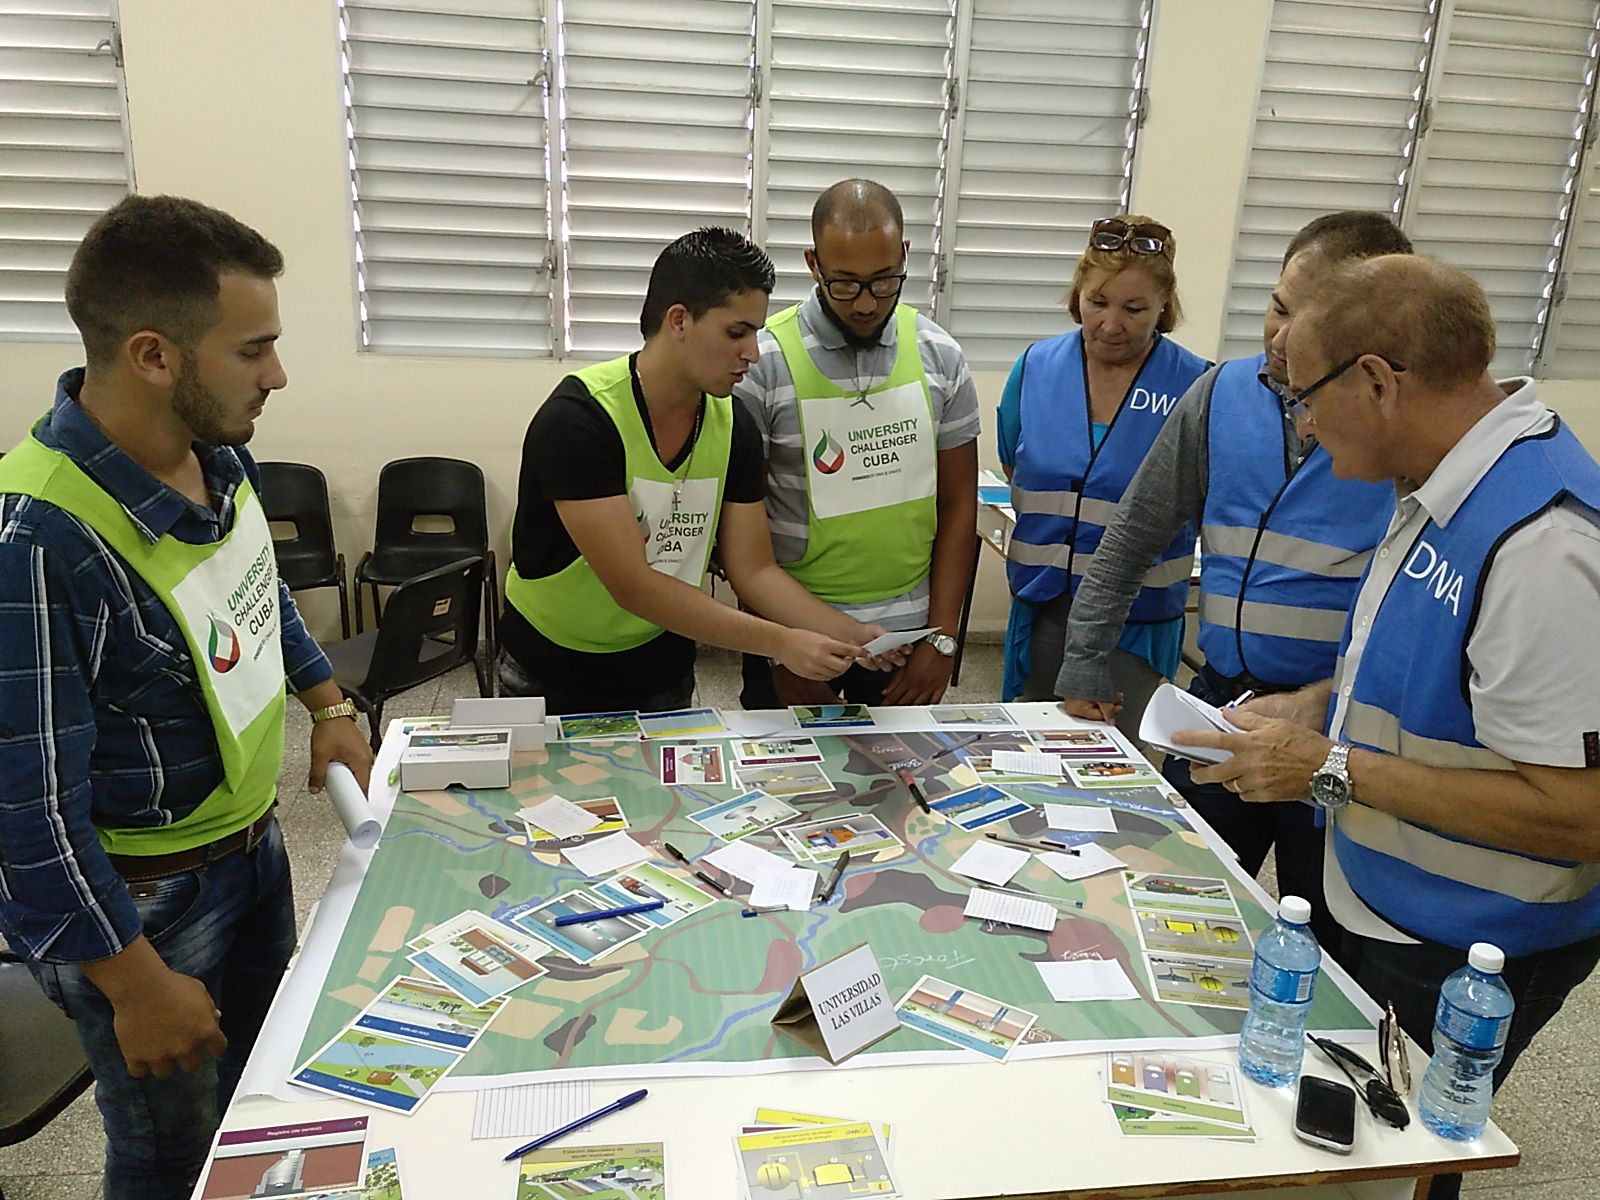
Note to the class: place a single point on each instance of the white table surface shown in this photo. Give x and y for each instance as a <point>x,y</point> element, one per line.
<point>1026,1128</point>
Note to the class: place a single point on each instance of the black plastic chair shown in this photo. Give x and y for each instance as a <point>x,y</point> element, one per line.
<point>430,626</point>
<point>297,494</point>
<point>413,490</point>
<point>42,1068</point>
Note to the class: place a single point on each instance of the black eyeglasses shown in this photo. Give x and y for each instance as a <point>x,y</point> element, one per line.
<point>883,287</point>
<point>1113,233</point>
<point>1382,1100</point>
<point>1298,404</point>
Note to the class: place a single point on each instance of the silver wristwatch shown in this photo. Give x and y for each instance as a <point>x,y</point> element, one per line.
<point>1330,786</point>
<point>943,643</point>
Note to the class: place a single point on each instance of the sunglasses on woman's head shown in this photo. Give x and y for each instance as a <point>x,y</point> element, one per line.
<point>1113,233</point>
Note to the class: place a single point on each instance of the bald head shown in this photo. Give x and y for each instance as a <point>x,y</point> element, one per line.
<point>857,206</point>
<point>1427,316</point>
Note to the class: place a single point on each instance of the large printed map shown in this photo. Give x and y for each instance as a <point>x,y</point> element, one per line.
<point>698,996</point>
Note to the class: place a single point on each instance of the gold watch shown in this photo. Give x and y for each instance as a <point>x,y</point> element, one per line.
<point>345,708</point>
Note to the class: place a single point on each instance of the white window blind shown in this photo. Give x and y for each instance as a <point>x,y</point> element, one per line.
<point>658,127</point>
<point>1573,349</point>
<point>1498,161</point>
<point>446,121</point>
<point>1335,125</point>
<point>1043,147</point>
<point>63,151</point>
<point>854,88</point>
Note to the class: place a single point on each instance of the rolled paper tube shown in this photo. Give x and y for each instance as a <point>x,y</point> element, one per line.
<point>353,808</point>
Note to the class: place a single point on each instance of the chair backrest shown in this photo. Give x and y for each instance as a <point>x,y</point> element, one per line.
<point>42,1068</point>
<point>297,494</point>
<point>410,489</point>
<point>430,626</point>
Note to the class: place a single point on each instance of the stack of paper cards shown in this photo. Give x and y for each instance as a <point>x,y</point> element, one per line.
<point>1111,773</point>
<point>683,722</point>
<point>646,882</point>
<point>583,727</point>
<point>766,752</point>
<point>991,716</point>
<point>964,1018</point>
<point>559,818</point>
<point>1168,1095</point>
<point>979,806</point>
<point>787,780</point>
<point>1196,945</point>
<point>1078,743</point>
<point>635,1170</point>
<point>698,765</point>
<point>399,1047</point>
<point>832,716</point>
<point>477,957</point>
<point>1171,709</point>
<point>838,1162</point>
<point>586,941</point>
<point>245,1162</point>
<point>824,841</point>
<point>768,1119</point>
<point>607,813</point>
<point>743,815</point>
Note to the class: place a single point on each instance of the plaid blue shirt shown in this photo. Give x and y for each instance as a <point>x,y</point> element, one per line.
<point>102,720</point>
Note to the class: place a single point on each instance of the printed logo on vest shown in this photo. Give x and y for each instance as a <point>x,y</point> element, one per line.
<point>223,647</point>
<point>1435,574</point>
<point>827,455</point>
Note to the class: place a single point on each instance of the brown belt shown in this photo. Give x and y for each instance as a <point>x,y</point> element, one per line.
<point>141,868</point>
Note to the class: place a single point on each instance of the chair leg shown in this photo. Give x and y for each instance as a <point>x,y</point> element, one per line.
<point>360,625</point>
<point>375,723</point>
<point>344,602</point>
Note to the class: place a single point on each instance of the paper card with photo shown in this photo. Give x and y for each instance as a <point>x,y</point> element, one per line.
<point>1177,1084</point>
<point>1189,895</point>
<point>979,806</point>
<point>612,819</point>
<point>786,780</point>
<point>832,716</point>
<point>765,752</point>
<point>964,1018</point>
<point>824,841</point>
<point>743,815</point>
<point>302,1159</point>
<point>635,1171</point>
<point>646,882</point>
<point>696,765</point>
<point>584,942</point>
<point>585,727</point>
<point>1111,773</point>
<point>1079,743</point>
<point>482,961</point>
<point>840,1162</point>
<point>683,722</point>
<point>991,716</point>
<point>421,1010</point>
<point>370,1068</point>
<point>1210,983</point>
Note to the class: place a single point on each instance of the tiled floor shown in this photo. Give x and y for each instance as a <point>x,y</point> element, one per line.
<point>1549,1106</point>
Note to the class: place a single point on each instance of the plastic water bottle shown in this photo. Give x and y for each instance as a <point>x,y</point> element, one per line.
<point>1282,978</point>
<point>1469,1039</point>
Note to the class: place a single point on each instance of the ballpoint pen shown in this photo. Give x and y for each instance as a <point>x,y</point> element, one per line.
<point>616,1106</point>
<point>626,910</point>
<point>698,874</point>
<point>833,880</point>
<point>910,780</point>
<point>1247,694</point>
<point>1041,844</point>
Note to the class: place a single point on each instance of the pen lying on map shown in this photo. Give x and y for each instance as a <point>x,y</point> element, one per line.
<point>698,874</point>
<point>1040,844</point>
<point>627,910</point>
<point>910,780</point>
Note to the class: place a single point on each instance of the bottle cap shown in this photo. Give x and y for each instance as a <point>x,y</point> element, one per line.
<point>1294,910</point>
<point>1486,957</point>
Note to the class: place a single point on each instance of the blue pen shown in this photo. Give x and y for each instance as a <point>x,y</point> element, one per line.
<point>627,910</point>
<point>618,1106</point>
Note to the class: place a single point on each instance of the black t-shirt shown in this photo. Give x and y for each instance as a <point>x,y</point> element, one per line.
<point>573,452</point>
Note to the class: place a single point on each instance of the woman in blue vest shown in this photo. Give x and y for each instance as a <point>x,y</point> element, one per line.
<point>1077,417</point>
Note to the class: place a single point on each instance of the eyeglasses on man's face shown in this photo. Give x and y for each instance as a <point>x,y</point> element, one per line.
<point>1299,404</point>
<point>1113,233</point>
<point>882,287</point>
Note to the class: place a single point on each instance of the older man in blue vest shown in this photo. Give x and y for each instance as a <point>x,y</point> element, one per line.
<point>1454,750</point>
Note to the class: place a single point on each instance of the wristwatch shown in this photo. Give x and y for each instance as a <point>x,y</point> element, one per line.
<point>1330,786</point>
<point>345,708</point>
<point>943,643</point>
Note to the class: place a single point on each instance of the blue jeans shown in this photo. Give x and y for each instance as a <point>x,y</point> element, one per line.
<point>230,925</point>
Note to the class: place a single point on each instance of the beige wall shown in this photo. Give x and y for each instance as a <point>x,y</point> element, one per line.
<point>237,102</point>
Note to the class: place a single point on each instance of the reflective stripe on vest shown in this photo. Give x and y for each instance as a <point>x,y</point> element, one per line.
<point>1419,707</point>
<point>223,596</point>
<point>1066,491</point>
<point>572,607</point>
<point>871,466</point>
<point>1295,544</point>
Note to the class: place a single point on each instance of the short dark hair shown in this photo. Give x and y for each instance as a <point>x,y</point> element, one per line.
<point>860,205</point>
<point>702,270</point>
<point>1352,233</point>
<point>155,262</point>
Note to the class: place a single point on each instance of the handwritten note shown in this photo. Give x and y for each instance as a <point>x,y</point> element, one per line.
<point>1008,908</point>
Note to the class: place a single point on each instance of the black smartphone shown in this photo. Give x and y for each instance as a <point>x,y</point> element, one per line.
<point>1325,1114</point>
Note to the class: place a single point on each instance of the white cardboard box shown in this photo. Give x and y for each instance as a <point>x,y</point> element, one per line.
<point>469,758</point>
<point>523,715</point>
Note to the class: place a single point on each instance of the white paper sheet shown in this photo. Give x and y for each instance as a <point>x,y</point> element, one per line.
<point>1091,859</point>
<point>792,889</point>
<point>989,862</point>
<point>1022,762</point>
<point>747,862</point>
<point>885,642</point>
<point>1087,979</point>
<point>1171,709</point>
<point>1008,908</point>
<point>1080,818</point>
<point>605,855</point>
<point>531,1110</point>
<point>560,817</point>
<point>351,806</point>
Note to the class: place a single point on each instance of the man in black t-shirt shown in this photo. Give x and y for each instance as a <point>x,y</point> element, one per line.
<point>632,471</point>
